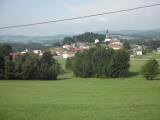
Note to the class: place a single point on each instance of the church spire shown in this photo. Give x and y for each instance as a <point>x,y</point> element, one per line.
<point>107,33</point>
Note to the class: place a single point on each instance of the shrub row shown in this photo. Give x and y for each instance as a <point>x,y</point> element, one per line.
<point>28,66</point>
<point>100,62</point>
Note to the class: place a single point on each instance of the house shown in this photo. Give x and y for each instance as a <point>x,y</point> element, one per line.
<point>67,55</point>
<point>57,51</point>
<point>78,50</point>
<point>137,50</point>
<point>38,52</point>
<point>67,47</point>
<point>24,52</point>
<point>115,44</point>
<point>158,49</point>
<point>96,41</point>
<point>83,46</point>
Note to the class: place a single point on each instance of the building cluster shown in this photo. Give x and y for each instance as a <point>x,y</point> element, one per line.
<point>111,42</point>
<point>68,51</point>
<point>17,54</point>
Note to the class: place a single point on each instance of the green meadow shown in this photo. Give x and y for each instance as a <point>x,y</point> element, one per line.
<point>71,98</point>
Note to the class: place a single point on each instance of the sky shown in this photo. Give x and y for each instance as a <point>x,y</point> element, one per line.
<point>15,12</point>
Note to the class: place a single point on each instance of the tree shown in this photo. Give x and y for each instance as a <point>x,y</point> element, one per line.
<point>70,63</point>
<point>26,66</point>
<point>49,67</point>
<point>86,37</point>
<point>9,68</point>
<point>5,50</point>
<point>30,67</point>
<point>100,61</point>
<point>68,40</point>
<point>126,45</point>
<point>49,72</point>
<point>119,64</point>
<point>151,69</point>
<point>1,65</point>
<point>82,65</point>
<point>47,58</point>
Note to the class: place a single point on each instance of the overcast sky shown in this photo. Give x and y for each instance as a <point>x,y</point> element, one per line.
<point>15,12</point>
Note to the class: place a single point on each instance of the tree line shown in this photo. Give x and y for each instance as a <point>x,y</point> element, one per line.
<point>28,66</point>
<point>86,37</point>
<point>99,62</point>
<point>95,62</point>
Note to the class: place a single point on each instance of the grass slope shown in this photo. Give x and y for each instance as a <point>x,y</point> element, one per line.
<point>73,98</point>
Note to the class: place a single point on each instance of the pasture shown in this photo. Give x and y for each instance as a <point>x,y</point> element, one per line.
<point>71,98</point>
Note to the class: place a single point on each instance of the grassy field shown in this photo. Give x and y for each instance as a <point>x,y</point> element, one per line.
<point>73,98</point>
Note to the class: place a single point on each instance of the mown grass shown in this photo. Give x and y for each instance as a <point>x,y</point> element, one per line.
<point>72,98</point>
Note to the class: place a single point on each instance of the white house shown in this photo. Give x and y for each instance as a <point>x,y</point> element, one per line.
<point>137,50</point>
<point>67,47</point>
<point>96,41</point>
<point>158,50</point>
<point>107,40</point>
<point>24,52</point>
<point>38,52</point>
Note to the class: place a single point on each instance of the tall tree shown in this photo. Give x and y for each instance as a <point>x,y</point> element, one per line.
<point>100,61</point>
<point>119,64</point>
<point>49,67</point>
<point>126,45</point>
<point>9,68</point>
<point>5,50</point>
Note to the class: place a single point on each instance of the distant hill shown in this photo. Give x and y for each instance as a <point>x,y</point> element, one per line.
<point>85,37</point>
<point>137,33</point>
<point>31,39</point>
<point>47,40</point>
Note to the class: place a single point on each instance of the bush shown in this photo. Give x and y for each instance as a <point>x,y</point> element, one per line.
<point>82,66</point>
<point>99,62</point>
<point>70,63</point>
<point>119,65</point>
<point>30,66</point>
<point>151,69</point>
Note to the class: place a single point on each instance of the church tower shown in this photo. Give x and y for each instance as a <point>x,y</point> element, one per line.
<point>107,39</point>
<point>107,34</point>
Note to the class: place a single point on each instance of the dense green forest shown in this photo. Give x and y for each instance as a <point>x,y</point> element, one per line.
<point>86,37</point>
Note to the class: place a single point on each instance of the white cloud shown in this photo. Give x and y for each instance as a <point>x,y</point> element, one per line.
<point>103,19</point>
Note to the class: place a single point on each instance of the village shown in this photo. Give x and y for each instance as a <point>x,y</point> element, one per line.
<point>69,50</point>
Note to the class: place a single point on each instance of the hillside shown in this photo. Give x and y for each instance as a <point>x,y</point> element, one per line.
<point>30,39</point>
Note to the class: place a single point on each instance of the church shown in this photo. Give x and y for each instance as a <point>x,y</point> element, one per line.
<point>111,42</point>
